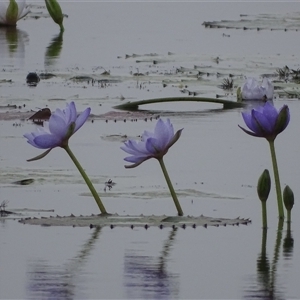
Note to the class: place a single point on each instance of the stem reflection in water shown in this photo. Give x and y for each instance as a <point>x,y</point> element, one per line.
<point>148,278</point>
<point>267,286</point>
<point>59,282</point>
<point>12,45</point>
<point>53,50</point>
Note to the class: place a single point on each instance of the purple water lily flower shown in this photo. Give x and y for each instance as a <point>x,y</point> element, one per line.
<point>56,133</point>
<point>61,126</point>
<point>266,121</point>
<point>152,145</point>
<point>253,90</point>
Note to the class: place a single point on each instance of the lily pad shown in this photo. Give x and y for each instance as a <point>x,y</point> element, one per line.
<point>133,221</point>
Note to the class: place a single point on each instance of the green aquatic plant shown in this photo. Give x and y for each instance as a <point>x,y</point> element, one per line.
<point>263,191</point>
<point>55,12</point>
<point>288,199</point>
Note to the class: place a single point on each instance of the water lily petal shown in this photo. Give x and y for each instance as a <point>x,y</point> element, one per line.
<point>253,90</point>
<point>30,139</point>
<point>269,88</point>
<point>261,122</point>
<point>23,11</point>
<point>81,119</point>
<point>70,113</point>
<point>138,148</point>
<point>59,129</point>
<point>60,113</point>
<point>265,121</point>
<point>58,126</point>
<point>47,141</point>
<point>137,163</point>
<point>152,145</point>
<point>134,159</point>
<point>129,149</point>
<point>175,138</point>
<point>271,113</point>
<point>163,132</point>
<point>248,120</point>
<point>146,135</point>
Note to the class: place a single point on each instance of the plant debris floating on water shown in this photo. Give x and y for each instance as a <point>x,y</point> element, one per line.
<point>24,181</point>
<point>40,116</point>
<point>227,84</point>
<point>32,79</point>
<point>288,74</point>
<point>259,22</point>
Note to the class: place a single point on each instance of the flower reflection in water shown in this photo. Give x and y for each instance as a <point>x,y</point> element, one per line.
<point>62,281</point>
<point>12,46</point>
<point>267,286</point>
<point>288,245</point>
<point>148,278</point>
<point>53,51</point>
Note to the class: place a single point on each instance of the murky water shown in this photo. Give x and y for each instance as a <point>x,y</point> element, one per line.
<point>214,166</point>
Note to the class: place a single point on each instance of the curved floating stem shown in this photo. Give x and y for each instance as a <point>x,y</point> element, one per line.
<point>135,105</point>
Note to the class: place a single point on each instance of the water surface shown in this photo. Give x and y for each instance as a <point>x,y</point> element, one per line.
<point>214,165</point>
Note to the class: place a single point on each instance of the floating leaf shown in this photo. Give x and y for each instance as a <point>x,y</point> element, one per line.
<point>24,181</point>
<point>134,221</point>
<point>259,22</point>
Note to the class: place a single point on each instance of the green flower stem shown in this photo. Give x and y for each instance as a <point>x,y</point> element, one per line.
<point>86,179</point>
<point>264,214</point>
<point>289,218</point>
<point>264,242</point>
<point>277,180</point>
<point>276,255</point>
<point>172,191</point>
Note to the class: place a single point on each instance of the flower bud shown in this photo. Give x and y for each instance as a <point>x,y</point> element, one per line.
<point>264,185</point>
<point>12,12</point>
<point>55,12</point>
<point>288,198</point>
